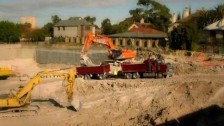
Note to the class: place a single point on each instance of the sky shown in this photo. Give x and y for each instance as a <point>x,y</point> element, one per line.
<point>115,10</point>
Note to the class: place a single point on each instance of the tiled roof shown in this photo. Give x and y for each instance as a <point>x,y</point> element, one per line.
<point>142,25</point>
<point>141,32</point>
<point>146,31</point>
<point>137,35</point>
<point>72,22</point>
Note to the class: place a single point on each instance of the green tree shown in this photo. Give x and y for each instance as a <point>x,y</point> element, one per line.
<point>185,36</point>
<point>178,17</point>
<point>90,19</point>
<point>219,11</point>
<point>106,26</point>
<point>37,35</point>
<point>55,19</point>
<point>48,29</point>
<point>9,32</point>
<point>210,16</point>
<point>156,13</point>
<point>122,26</point>
<point>137,14</point>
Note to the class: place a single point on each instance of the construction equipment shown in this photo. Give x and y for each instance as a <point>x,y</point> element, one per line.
<point>147,68</point>
<point>101,72</point>
<point>5,72</point>
<point>18,101</point>
<point>114,54</point>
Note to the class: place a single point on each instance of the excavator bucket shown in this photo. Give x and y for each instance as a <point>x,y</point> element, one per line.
<point>85,61</point>
<point>76,104</point>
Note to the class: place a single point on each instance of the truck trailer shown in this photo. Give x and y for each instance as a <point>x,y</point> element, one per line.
<point>149,67</point>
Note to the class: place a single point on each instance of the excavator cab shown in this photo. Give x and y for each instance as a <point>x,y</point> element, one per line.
<point>116,54</point>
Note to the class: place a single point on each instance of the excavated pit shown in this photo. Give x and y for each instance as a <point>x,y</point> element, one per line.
<point>194,94</point>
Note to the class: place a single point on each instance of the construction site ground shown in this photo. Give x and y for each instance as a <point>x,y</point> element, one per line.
<point>193,96</point>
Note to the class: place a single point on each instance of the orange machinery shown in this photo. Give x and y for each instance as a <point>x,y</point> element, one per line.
<point>114,54</point>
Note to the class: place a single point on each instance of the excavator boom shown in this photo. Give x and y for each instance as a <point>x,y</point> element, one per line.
<point>114,54</point>
<point>23,95</point>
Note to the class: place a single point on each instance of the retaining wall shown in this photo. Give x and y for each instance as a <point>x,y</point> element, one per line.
<point>46,56</point>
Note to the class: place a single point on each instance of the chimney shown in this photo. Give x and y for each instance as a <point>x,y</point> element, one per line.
<point>186,12</point>
<point>142,21</point>
<point>174,18</point>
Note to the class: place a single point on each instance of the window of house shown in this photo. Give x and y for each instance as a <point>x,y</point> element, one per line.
<point>145,44</point>
<point>87,27</point>
<point>114,42</point>
<point>58,28</point>
<point>129,42</point>
<point>121,42</point>
<point>137,43</point>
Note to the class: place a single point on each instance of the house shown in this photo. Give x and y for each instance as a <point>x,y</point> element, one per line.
<point>186,18</point>
<point>73,30</point>
<point>212,38</point>
<point>139,35</point>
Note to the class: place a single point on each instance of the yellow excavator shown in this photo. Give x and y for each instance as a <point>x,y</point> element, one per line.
<point>5,72</point>
<point>19,100</point>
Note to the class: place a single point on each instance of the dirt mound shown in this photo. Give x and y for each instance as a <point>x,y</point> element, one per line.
<point>179,100</point>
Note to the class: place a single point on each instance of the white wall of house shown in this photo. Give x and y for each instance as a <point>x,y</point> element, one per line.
<point>73,31</point>
<point>66,31</point>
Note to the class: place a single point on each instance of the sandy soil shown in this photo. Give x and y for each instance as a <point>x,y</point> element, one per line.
<point>147,101</point>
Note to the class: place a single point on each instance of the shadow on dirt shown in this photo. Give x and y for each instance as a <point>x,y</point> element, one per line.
<point>210,116</point>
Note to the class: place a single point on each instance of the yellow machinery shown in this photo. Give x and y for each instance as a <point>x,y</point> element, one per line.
<point>23,95</point>
<point>5,72</point>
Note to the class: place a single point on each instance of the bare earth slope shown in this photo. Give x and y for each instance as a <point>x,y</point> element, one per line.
<point>194,94</point>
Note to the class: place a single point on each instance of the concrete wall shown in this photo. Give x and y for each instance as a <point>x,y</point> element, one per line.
<point>15,51</point>
<point>46,56</point>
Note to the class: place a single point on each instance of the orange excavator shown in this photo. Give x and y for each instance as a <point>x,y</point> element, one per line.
<point>114,54</point>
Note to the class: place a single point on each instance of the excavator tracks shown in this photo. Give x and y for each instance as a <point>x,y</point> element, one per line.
<point>29,110</point>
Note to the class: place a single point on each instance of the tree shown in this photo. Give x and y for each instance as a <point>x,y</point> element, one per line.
<point>106,26</point>
<point>178,17</point>
<point>210,16</point>
<point>152,12</point>
<point>37,35</point>
<point>90,19</point>
<point>9,32</point>
<point>55,19</point>
<point>136,14</point>
<point>219,11</point>
<point>48,29</point>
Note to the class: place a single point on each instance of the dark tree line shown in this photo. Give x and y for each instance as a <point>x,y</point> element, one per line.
<point>189,38</point>
<point>9,32</point>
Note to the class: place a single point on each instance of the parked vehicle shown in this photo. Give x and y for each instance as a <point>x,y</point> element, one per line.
<point>114,53</point>
<point>149,67</point>
<point>88,72</point>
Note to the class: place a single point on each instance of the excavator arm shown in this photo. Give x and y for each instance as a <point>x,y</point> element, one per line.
<point>114,54</point>
<point>100,39</point>
<point>23,95</point>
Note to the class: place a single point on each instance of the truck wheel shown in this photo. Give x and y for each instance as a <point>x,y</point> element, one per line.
<point>101,76</point>
<point>80,76</point>
<point>136,75</point>
<point>87,77</point>
<point>128,75</point>
<point>159,75</point>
